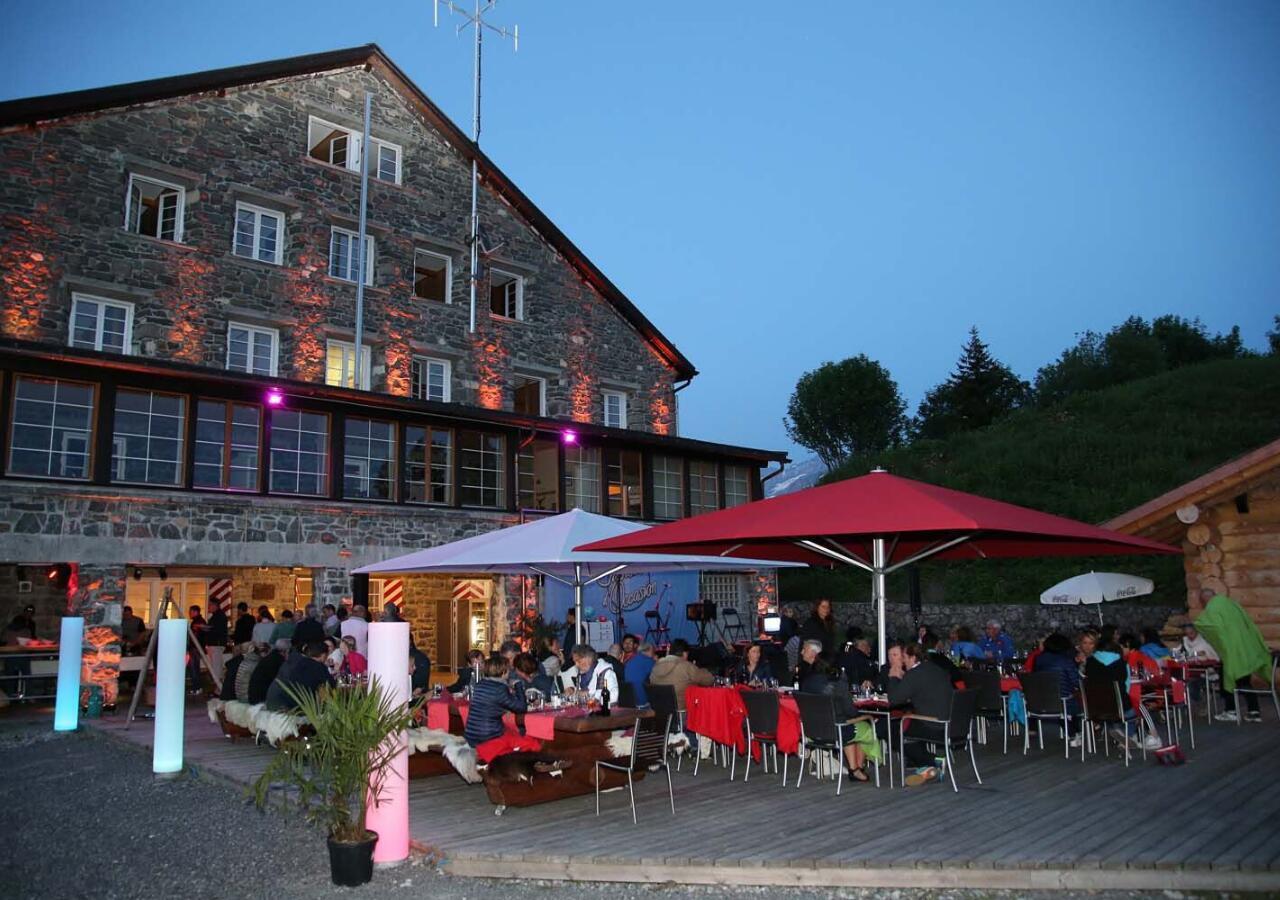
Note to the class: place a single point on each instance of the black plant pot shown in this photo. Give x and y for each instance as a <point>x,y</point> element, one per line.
<point>351,864</point>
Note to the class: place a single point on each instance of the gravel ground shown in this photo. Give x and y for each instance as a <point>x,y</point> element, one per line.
<point>86,819</point>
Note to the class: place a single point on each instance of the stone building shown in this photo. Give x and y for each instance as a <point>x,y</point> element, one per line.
<point>186,413</point>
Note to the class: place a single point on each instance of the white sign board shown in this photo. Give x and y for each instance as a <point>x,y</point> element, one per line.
<point>600,635</point>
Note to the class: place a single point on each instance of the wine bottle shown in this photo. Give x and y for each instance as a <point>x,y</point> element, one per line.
<point>604,700</point>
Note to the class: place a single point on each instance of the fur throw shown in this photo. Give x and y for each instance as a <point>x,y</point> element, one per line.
<point>462,756</point>
<point>422,740</point>
<point>214,706</point>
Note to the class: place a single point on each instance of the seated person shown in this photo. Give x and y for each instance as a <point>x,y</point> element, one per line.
<point>822,679</point>
<point>891,670</point>
<point>229,673</point>
<point>859,667</point>
<point>810,653</point>
<point>1059,656</point>
<point>264,627</point>
<point>1139,662</point>
<point>551,657</point>
<point>613,656</point>
<point>1194,644</point>
<point>1152,646</point>
<point>509,650</point>
<point>491,698</point>
<point>1107,664</point>
<point>592,675</point>
<point>528,674</point>
<point>420,674</point>
<point>1029,664</point>
<point>469,674</point>
<point>963,645</point>
<point>248,665</point>
<point>676,670</point>
<point>353,660</point>
<point>335,657</point>
<point>996,645</point>
<point>926,688</point>
<point>264,675</point>
<point>630,646</point>
<point>637,669</point>
<point>752,669</point>
<point>936,653</point>
<point>304,671</point>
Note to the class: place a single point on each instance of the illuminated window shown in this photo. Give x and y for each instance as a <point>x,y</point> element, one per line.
<point>343,260</point>
<point>227,440</point>
<point>615,409</point>
<point>259,234</point>
<point>481,468</point>
<point>98,324</point>
<point>506,294</point>
<point>428,465</point>
<point>432,276</point>
<point>582,478</point>
<point>154,208</point>
<point>340,365</point>
<point>668,487</point>
<point>251,349</point>
<point>622,477</point>
<point>531,395</point>
<point>369,460</point>
<point>339,146</point>
<point>704,491</point>
<point>148,438</point>
<point>52,424</point>
<point>430,379</point>
<point>737,486</point>
<point>538,476</point>
<point>299,453</point>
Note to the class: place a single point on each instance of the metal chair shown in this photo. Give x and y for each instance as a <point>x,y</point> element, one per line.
<point>657,630</point>
<point>762,730</point>
<point>992,703</point>
<point>1269,690</point>
<point>648,753</point>
<point>1042,692</point>
<point>662,699</point>
<point>731,624</point>
<point>1103,706</point>
<point>957,733</point>
<point>820,731</point>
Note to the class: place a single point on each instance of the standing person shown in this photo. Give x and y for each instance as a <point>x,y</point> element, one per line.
<point>24,623</point>
<point>995,644</point>
<point>329,616</point>
<point>215,636</point>
<point>570,629</point>
<point>243,633</point>
<point>821,627</point>
<point>265,625</point>
<point>357,628</point>
<point>788,627</point>
<point>131,630</point>
<point>197,624</point>
<point>1240,645</point>
<point>310,630</point>
<point>637,670</point>
<point>284,629</point>
<point>630,643</point>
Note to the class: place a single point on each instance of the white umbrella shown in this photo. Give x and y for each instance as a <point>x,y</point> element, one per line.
<point>1093,588</point>
<point>545,547</point>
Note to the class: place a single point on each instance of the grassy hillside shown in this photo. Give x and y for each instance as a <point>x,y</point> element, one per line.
<point>1090,458</point>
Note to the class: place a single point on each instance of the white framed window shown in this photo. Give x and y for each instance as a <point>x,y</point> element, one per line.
<point>668,487</point>
<point>344,262</point>
<point>737,486</point>
<point>530,395</point>
<point>615,409</point>
<point>428,464</point>
<point>704,488</point>
<point>340,146</point>
<point>148,438</point>
<point>252,349</point>
<point>506,294</point>
<point>299,458</point>
<point>100,324</point>
<point>432,276</point>
<point>51,424</point>
<point>154,208</point>
<point>340,365</point>
<point>582,478</point>
<point>481,469</point>
<point>259,234</point>
<point>431,379</point>
<point>227,442</point>
<point>369,460</point>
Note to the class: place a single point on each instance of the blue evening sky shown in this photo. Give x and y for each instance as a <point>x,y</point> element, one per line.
<point>780,184</point>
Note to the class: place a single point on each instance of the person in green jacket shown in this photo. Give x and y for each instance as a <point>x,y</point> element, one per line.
<point>1240,645</point>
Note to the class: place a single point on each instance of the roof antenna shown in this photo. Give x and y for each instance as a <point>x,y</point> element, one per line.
<point>475,19</point>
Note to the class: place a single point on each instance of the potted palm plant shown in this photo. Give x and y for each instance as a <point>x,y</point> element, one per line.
<point>340,769</point>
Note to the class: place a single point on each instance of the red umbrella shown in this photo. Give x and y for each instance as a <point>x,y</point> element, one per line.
<point>879,523</point>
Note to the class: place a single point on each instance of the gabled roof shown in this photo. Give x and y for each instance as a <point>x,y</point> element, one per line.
<point>33,111</point>
<point>1157,518</point>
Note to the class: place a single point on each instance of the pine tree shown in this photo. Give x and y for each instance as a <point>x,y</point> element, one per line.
<point>980,390</point>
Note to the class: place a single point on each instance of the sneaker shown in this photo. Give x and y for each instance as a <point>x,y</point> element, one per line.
<point>922,776</point>
<point>1150,742</point>
<point>1228,716</point>
<point>1077,741</point>
<point>1255,716</point>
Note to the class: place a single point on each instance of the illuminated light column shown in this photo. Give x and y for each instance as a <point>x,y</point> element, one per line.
<point>66,711</point>
<point>166,758</point>
<point>389,817</point>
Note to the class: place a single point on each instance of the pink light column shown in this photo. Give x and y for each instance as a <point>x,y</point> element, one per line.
<point>389,664</point>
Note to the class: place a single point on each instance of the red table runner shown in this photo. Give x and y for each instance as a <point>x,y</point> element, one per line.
<point>717,713</point>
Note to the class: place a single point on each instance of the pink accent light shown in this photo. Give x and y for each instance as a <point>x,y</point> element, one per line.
<point>569,437</point>
<point>275,397</point>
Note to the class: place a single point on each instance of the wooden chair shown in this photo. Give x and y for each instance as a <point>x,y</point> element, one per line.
<point>957,733</point>
<point>648,753</point>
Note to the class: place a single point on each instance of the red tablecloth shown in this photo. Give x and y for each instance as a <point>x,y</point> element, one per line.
<point>718,713</point>
<point>1158,683</point>
<point>1010,683</point>
<point>438,713</point>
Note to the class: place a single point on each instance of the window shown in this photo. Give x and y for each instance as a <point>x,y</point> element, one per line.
<point>251,349</point>
<point>668,487</point>
<point>148,436</point>
<point>299,453</point>
<point>340,147</point>
<point>340,365</point>
<point>615,409</point>
<point>228,436</point>
<point>430,379</point>
<point>98,324</point>
<point>737,486</point>
<point>369,460</point>
<point>259,234</point>
<point>52,428</point>
<point>154,208</point>
<point>432,276</point>
<point>582,478</point>
<point>531,395</point>
<point>343,261</point>
<point>538,476</point>
<point>704,492</point>
<point>506,294</point>
<point>622,477</point>
<point>480,469</point>
<point>428,465</point>
<point>723,589</point>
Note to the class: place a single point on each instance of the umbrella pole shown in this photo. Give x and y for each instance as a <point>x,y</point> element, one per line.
<point>577,603</point>
<point>878,591</point>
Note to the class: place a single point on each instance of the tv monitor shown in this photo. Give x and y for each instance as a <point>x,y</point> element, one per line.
<point>772,624</point>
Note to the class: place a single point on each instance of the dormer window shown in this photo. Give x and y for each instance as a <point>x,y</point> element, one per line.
<point>154,208</point>
<point>340,146</point>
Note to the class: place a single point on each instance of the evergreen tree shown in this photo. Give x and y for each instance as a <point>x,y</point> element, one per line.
<point>980,391</point>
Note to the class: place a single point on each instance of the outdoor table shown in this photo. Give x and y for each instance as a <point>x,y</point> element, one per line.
<point>716,713</point>
<point>1166,686</point>
<point>1198,669</point>
<point>40,661</point>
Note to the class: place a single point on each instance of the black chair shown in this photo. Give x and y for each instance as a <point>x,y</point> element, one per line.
<point>627,694</point>
<point>957,733</point>
<point>992,703</point>
<point>656,629</point>
<point>820,731</point>
<point>1042,692</point>
<point>662,700</point>
<point>1103,706</point>
<point>762,730</point>
<point>731,624</point>
<point>648,753</point>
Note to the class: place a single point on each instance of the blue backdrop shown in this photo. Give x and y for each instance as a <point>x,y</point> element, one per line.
<point>666,591</point>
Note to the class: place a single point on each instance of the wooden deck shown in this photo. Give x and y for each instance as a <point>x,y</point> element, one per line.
<point>1038,822</point>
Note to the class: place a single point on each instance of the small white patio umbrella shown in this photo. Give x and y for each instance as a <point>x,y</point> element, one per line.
<point>1095,588</point>
<point>545,547</point>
